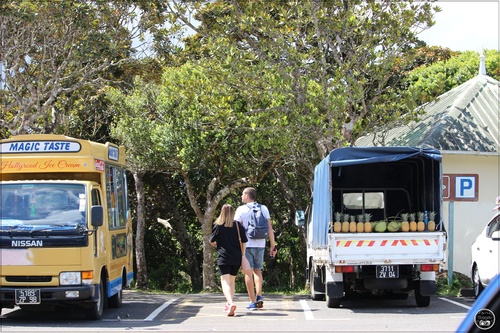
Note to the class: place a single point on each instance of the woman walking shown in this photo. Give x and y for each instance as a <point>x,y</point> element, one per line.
<point>226,236</point>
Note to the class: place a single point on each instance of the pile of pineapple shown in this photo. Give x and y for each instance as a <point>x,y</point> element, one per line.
<point>410,222</point>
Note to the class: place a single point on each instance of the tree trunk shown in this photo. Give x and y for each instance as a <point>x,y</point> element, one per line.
<point>209,282</point>
<point>180,232</point>
<point>140,255</point>
<point>206,218</point>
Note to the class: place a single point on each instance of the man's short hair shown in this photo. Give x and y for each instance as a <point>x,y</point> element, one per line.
<point>252,192</point>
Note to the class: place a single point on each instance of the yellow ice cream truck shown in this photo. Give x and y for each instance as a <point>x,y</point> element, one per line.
<point>65,224</point>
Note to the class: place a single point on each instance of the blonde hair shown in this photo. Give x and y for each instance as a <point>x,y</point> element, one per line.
<point>226,216</point>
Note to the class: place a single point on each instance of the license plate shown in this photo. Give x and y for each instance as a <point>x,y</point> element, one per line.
<point>387,271</point>
<point>27,296</point>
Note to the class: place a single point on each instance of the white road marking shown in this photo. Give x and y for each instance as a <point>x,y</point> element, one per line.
<point>456,303</point>
<point>307,310</point>
<point>160,309</point>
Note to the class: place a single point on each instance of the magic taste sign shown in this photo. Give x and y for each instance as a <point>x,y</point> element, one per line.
<point>460,187</point>
<point>19,147</point>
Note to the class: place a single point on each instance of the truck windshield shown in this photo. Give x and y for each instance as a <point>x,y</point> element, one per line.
<point>42,206</point>
<point>370,201</point>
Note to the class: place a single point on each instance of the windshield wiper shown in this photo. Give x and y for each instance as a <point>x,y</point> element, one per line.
<point>45,230</point>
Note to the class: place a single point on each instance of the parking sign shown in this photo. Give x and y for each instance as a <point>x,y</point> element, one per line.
<point>460,187</point>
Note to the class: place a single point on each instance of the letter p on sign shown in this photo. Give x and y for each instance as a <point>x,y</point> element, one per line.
<point>465,187</point>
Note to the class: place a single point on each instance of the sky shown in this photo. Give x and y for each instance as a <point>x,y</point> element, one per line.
<point>465,25</point>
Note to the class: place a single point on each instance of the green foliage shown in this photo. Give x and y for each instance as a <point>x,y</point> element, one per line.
<point>325,63</point>
<point>428,82</point>
<point>54,49</point>
<point>459,281</point>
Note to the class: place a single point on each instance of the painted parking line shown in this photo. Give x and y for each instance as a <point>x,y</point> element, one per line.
<point>156,312</point>
<point>151,317</point>
<point>456,303</point>
<point>307,310</point>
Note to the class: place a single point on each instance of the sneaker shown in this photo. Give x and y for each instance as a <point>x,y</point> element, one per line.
<point>259,302</point>
<point>252,306</point>
<point>232,308</point>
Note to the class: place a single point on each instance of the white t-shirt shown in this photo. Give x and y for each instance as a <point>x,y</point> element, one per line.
<point>242,215</point>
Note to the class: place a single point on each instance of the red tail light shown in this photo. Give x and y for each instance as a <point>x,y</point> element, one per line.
<point>429,268</point>
<point>344,269</point>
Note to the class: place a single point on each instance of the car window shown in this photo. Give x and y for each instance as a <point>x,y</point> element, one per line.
<point>493,226</point>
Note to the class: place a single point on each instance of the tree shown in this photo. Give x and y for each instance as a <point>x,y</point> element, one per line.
<point>265,78</point>
<point>428,82</point>
<point>52,49</point>
<point>199,128</point>
<point>331,57</point>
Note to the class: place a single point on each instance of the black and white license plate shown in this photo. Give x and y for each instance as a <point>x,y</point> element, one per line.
<point>27,296</point>
<point>387,271</point>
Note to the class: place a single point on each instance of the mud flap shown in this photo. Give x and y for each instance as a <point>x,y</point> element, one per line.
<point>335,289</point>
<point>427,288</point>
<point>318,286</point>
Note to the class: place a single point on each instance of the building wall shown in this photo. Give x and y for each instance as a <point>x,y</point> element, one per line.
<point>470,217</point>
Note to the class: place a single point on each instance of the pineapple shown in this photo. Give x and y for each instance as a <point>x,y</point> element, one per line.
<point>405,225</point>
<point>337,226</point>
<point>420,223</point>
<point>352,225</point>
<point>431,226</point>
<point>345,223</point>
<point>360,226</point>
<point>413,224</point>
<point>368,224</point>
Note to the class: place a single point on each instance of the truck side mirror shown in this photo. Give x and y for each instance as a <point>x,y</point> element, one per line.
<point>299,218</point>
<point>96,216</point>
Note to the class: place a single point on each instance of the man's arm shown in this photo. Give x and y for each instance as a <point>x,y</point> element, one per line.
<point>270,232</point>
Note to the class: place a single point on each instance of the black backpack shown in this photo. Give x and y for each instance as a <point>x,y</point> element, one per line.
<point>258,224</point>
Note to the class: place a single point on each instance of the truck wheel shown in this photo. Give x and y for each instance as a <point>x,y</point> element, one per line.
<point>476,282</point>
<point>312,283</point>
<point>115,301</point>
<point>421,300</point>
<point>333,302</point>
<point>94,312</point>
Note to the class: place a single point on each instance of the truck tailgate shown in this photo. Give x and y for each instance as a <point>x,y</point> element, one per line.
<point>385,248</point>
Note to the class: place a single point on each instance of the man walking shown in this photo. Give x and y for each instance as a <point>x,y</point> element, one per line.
<point>255,246</point>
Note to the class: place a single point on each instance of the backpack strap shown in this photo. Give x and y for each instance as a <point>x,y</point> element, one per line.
<point>256,205</point>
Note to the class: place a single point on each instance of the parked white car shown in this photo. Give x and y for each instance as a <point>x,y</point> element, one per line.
<point>484,251</point>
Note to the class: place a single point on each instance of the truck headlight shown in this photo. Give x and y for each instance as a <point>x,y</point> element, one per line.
<point>70,278</point>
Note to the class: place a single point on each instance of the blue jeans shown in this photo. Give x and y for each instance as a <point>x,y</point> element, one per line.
<point>255,256</point>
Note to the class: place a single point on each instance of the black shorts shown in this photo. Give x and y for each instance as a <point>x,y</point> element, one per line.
<point>229,269</point>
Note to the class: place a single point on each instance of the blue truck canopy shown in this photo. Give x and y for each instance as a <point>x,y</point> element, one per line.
<point>322,206</point>
<point>364,155</point>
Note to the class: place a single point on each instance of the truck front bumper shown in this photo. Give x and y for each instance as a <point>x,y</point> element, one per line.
<point>50,295</point>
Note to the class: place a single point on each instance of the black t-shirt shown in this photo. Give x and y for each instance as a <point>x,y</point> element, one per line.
<point>228,244</point>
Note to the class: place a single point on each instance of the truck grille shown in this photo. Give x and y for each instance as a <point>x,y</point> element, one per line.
<point>28,278</point>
